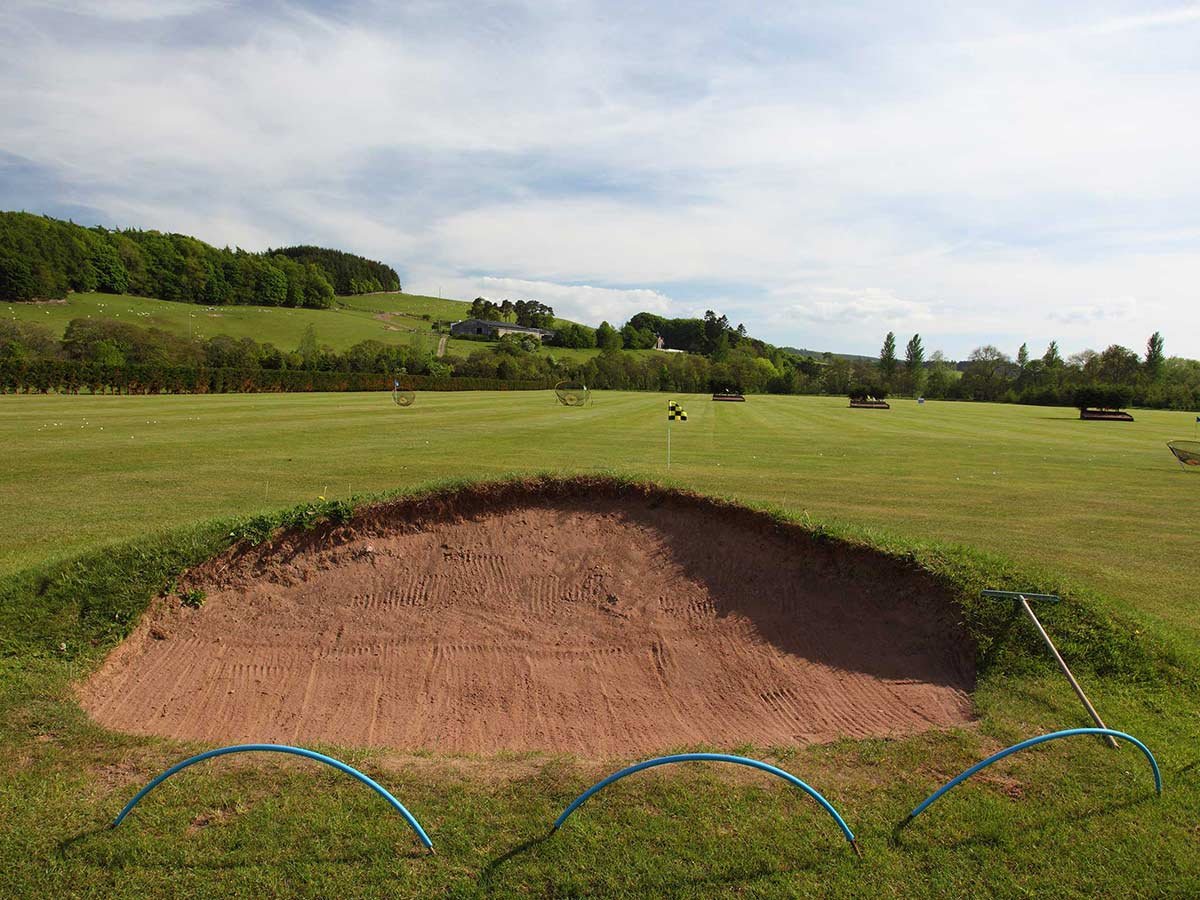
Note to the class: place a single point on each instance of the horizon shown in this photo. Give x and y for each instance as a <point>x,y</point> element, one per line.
<point>824,176</point>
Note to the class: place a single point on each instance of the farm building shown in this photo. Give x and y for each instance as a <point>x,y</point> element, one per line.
<point>475,327</point>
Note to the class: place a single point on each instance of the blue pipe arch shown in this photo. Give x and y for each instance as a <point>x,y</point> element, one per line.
<point>711,757</point>
<point>1032,742</point>
<point>280,748</point>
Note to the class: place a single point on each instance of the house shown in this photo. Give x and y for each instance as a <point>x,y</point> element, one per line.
<point>482,327</point>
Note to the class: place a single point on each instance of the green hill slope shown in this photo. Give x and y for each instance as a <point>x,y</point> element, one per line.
<point>393,318</point>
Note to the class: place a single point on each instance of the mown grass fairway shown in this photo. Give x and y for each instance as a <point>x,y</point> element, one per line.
<point>1102,503</point>
<point>1032,497</point>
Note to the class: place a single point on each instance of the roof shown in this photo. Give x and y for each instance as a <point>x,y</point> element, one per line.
<point>509,325</point>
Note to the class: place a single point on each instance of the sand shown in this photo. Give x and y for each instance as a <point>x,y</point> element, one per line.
<point>601,621</point>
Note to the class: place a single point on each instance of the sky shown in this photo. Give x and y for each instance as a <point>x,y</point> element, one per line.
<point>822,172</point>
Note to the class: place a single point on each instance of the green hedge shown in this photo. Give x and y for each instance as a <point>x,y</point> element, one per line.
<point>70,377</point>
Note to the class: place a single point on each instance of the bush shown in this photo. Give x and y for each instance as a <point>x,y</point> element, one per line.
<point>1103,396</point>
<point>863,392</point>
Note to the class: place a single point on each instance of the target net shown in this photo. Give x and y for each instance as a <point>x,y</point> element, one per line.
<point>1187,452</point>
<point>572,393</point>
<point>403,398</point>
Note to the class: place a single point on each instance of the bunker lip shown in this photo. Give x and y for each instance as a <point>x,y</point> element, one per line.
<point>584,615</point>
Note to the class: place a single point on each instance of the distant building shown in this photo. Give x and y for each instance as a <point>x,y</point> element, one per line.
<point>660,344</point>
<point>476,327</point>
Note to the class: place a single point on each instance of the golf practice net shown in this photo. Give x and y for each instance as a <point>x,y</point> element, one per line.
<point>1187,452</point>
<point>571,393</point>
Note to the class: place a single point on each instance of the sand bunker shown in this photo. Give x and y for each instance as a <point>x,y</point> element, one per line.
<point>589,617</point>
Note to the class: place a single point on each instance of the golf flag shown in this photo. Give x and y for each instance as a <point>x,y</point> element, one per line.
<point>675,411</point>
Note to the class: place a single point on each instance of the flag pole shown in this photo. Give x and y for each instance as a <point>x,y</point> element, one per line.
<point>668,442</point>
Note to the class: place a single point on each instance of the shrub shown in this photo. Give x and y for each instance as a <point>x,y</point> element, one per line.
<point>1103,396</point>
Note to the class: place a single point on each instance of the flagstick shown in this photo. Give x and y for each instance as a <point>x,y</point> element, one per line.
<point>668,443</point>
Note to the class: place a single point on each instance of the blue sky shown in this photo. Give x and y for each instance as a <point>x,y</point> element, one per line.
<point>823,172</point>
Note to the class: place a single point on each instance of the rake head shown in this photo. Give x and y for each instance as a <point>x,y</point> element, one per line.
<point>1017,595</point>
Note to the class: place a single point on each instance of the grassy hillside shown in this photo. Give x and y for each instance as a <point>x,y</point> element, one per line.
<point>391,318</point>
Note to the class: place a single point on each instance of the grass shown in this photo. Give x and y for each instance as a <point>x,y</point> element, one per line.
<point>1101,504</point>
<point>390,318</point>
<point>1096,511</point>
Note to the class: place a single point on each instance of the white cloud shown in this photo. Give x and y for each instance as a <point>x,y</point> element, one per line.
<point>125,10</point>
<point>824,174</point>
<point>847,306</point>
<point>580,303</point>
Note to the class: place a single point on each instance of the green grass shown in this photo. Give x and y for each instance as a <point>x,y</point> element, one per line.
<point>979,494</point>
<point>1103,504</point>
<point>390,318</point>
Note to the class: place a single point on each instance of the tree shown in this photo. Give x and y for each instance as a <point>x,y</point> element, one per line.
<point>309,350</point>
<point>1117,365</point>
<point>986,374</point>
<point>573,336</point>
<point>608,338</point>
<point>635,338</point>
<point>1023,356</point>
<point>939,378</point>
<point>887,356</point>
<point>1154,357</point>
<point>482,308</point>
<point>714,327</point>
<point>533,314</point>
<point>1052,358</point>
<point>16,278</point>
<point>914,364</point>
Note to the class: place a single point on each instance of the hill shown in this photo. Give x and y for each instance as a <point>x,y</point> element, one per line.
<point>391,318</point>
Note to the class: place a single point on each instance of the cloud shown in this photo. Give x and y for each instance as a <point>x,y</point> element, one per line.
<point>124,10</point>
<point>825,173</point>
<point>578,302</point>
<point>847,306</point>
<point>1122,309</point>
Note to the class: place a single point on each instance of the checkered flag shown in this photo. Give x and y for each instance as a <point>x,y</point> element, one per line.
<point>675,411</point>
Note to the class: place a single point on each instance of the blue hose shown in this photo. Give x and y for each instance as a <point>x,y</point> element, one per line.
<point>1030,743</point>
<point>280,748</point>
<point>710,757</point>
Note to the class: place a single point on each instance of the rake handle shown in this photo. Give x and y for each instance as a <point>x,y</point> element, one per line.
<point>1062,665</point>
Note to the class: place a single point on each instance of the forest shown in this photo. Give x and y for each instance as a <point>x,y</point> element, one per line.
<point>42,258</point>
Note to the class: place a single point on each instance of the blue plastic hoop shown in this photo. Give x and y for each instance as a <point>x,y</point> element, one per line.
<point>280,748</point>
<point>1030,743</point>
<point>711,757</point>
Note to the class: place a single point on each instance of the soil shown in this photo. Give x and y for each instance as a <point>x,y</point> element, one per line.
<point>588,617</point>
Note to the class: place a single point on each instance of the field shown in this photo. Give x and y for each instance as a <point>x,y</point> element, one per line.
<point>390,318</point>
<point>100,497</point>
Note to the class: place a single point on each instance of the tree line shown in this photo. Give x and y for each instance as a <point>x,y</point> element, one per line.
<point>719,357</point>
<point>348,273</point>
<point>529,313</point>
<point>1117,375</point>
<point>42,258</point>
<point>110,349</point>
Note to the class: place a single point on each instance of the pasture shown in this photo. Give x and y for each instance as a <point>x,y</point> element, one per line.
<point>101,496</point>
<point>390,318</point>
